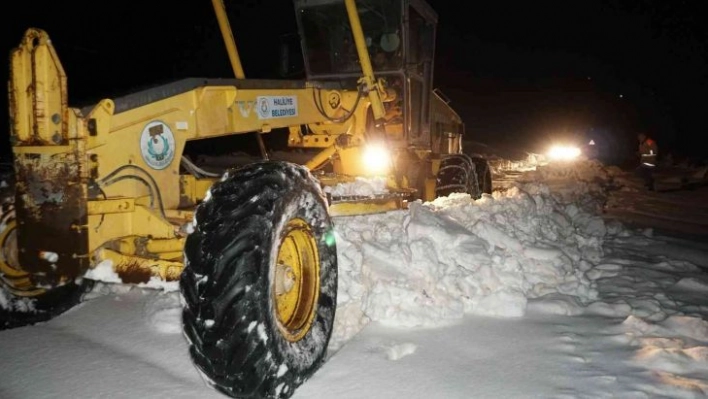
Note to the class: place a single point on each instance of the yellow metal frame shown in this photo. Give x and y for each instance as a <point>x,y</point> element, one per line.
<point>228,36</point>
<point>373,87</point>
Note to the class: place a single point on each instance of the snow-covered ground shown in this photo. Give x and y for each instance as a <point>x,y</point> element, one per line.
<point>538,290</point>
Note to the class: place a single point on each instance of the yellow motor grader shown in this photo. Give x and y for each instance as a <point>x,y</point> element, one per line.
<point>252,246</point>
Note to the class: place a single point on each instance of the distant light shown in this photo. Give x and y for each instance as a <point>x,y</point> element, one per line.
<point>563,153</point>
<point>621,96</point>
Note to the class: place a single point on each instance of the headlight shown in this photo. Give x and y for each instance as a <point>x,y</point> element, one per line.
<point>377,159</point>
<point>563,153</point>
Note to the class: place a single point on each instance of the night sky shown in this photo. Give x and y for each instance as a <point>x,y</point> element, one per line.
<point>519,73</point>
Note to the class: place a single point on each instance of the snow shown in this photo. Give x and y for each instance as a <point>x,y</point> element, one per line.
<point>104,272</point>
<point>535,291</point>
<point>360,187</point>
<point>14,304</point>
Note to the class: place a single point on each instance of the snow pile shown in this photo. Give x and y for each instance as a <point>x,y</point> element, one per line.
<point>584,183</point>
<point>531,163</point>
<point>438,261</point>
<point>360,187</point>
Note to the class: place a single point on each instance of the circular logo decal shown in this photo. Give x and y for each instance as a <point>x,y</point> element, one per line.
<point>334,100</point>
<point>263,107</point>
<point>157,145</point>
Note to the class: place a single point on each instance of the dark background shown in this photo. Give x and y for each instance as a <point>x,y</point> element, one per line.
<point>521,74</point>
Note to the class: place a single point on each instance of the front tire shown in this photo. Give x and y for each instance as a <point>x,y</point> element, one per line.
<point>260,281</point>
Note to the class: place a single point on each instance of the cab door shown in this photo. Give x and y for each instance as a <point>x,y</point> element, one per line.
<point>420,22</point>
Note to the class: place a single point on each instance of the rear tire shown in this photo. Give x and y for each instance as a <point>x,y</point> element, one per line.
<point>484,174</point>
<point>23,303</point>
<point>260,281</point>
<point>457,174</point>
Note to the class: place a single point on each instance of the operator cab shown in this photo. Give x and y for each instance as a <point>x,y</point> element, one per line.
<point>400,36</point>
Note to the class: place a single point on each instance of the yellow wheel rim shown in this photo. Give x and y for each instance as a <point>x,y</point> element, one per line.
<point>296,285</point>
<point>12,276</point>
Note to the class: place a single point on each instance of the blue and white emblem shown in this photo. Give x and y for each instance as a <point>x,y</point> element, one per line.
<point>157,145</point>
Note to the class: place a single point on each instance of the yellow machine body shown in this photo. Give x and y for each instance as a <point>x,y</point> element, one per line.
<point>105,183</point>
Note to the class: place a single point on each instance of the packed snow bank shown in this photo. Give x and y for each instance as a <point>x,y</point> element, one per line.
<point>438,261</point>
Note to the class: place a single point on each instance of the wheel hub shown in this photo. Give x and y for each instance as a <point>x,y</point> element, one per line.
<point>284,279</point>
<point>12,276</point>
<point>296,282</point>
